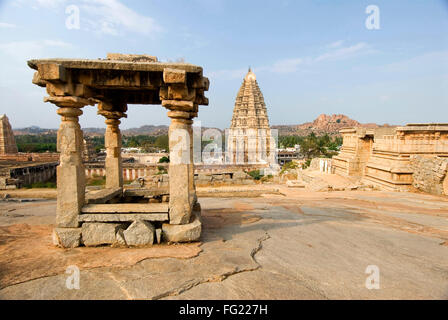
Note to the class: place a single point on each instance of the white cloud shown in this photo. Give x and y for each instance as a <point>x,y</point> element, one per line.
<point>286,65</point>
<point>109,17</point>
<point>23,50</point>
<point>343,53</point>
<point>228,74</point>
<point>50,3</point>
<point>292,65</point>
<point>7,25</point>
<point>112,17</point>
<point>335,44</point>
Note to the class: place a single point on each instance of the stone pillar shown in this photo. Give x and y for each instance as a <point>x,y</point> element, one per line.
<point>181,167</point>
<point>191,185</point>
<point>70,172</point>
<point>112,141</point>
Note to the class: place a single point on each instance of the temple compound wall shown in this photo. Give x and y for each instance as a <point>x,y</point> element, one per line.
<point>16,175</point>
<point>382,157</point>
<point>116,215</point>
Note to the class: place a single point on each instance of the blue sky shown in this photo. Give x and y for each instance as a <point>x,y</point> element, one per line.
<point>310,57</point>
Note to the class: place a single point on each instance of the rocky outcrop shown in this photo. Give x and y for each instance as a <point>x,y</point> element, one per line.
<point>323,124</point>
<point>430,174</point>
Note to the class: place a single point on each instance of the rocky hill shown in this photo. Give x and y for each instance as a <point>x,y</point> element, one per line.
<point>323,124</point>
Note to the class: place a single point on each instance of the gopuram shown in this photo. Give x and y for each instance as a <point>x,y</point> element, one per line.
<point>7,142</point>
<point>249,139</point>
<point>114,215</point>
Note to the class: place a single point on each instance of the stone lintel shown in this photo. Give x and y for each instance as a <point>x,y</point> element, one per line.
<point>52,72</point>
<point>131,57</point>
<point>174,75</point>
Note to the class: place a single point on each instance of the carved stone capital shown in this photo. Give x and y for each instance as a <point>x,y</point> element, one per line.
<point>69,101</point>
<point>181,115</point>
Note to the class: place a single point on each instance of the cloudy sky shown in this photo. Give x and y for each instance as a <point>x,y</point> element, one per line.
<point>310,57</point>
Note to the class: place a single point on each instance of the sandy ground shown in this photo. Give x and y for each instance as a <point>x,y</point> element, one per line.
<point>291,244</point>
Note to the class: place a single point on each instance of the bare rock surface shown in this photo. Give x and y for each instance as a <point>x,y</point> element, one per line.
<point>299,245</point>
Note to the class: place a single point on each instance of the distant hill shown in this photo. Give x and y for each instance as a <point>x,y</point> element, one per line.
<point>323,124</point>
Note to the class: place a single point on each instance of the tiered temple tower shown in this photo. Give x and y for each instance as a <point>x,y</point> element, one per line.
<point>7,142</point>
<point>249,139</point>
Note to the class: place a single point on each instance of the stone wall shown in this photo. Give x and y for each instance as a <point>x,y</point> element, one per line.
<point>430,174</point>
<point>132,171</point>
<point>35,157</point>
<point>355,151</point>
<point>14,176</point>
<point>322,165</point>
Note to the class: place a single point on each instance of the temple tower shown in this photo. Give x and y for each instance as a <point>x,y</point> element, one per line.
<point>7,142</point>
<point>249,139</point>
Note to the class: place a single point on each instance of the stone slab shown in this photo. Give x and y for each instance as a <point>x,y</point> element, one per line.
<point>95,234</point>
<point>67,237</point>
<point>139,233</point>
<point>122,217</point>
<point>103,195</point>
<point>146,192</point>
<point>126,208</point>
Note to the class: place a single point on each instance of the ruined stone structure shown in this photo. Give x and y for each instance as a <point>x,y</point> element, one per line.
<point>7,142</point>
<point>89,153</point>
<point>382,156</point>
<point>112,216</point>
<point>249,139</point>
<point>14,175</point>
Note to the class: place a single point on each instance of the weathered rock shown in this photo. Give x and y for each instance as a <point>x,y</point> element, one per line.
<point>204,177</point>
<point>97,233</point>
<point>119,238</point>
<point>159,235</point>
<point>183,232</point>
<point>240,175</point>
<point>295,184</point>
<point>139,233</point>
<point>67,237</point>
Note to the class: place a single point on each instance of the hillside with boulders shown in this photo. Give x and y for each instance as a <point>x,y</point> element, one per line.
<point>323,124</point>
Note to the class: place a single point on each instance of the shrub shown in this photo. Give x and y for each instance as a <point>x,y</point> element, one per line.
<point>164,160</point>
<point>48,184</point>
<point>255,174</point>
